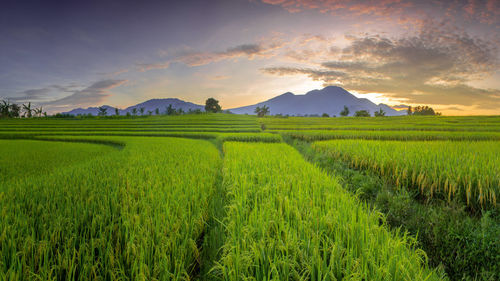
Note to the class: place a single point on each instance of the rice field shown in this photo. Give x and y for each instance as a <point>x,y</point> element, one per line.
<point>287,220</point>
<point>222,197</point>
<point>469,171</point>
<point>135,213</point>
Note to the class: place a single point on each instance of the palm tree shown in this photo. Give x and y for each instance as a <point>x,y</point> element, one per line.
<point>4,109</point>
<point>142,110</point>
<point>379,113</point>
<point>134,111</point>
<point>102,111</point>
<point>150,112</point>
<point>15,110</point>
<point>262,111</point>
<point>345,111</point>
<point>27,110</point>
<point>117,112</point>
<point>38,111</point>
<point>157,111</point>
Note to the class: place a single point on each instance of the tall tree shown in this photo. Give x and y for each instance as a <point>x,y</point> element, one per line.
<point>212,105</point>
<point>5,109</point>
<point>38,111</point>
<point>345,111</point>
<point>15,110</point>
<point>362,113</point>
<point>157,111</point>
<point>409,111</point>
<point>424,110</point>
<point>379,113</point>
<point>170,110</point>
<point>262,111</point>
<point>142,110</point>
<point>134,111</point>
<point>28,111</point>
<point>117,112</point>
<point>103,111</point>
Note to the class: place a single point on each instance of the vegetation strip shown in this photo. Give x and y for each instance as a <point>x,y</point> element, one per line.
<point>135,213</point>
<point>467,170</point>
<point>287,220</point>
<point>465,246</point>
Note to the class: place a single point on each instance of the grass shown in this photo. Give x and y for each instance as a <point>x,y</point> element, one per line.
<point>21,158</point>
<point>318,135</point>
<point>135,213</point>
<point>465,246</point>
<point>221,197</point>
<point>287,220</point>
<point>466,170</point>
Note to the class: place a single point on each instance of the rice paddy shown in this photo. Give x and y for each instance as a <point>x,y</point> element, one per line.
<point>222,197</point>
<point>467,170</point>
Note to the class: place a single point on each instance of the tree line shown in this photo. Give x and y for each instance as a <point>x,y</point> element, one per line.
<point>419,110</point>
<point>13,110</point>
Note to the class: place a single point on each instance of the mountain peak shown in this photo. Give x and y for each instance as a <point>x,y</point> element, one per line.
<point>331,100</point>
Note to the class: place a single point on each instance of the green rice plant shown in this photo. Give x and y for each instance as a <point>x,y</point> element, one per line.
<point>137,213</point>
<point>21,158</point>
<point>318,135</point>
<point>469,171</point>
<point>261,137</point>
<point>288,220</point>
<point>397,123</point>
<point>31,135</point>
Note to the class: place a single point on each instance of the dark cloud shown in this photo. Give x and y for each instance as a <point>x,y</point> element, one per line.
<point>245,49</point>
<point>40,94</point>
<point>91,95</point>
<point>400,106</point>
<point>31,95</point>
<point>434,66</point>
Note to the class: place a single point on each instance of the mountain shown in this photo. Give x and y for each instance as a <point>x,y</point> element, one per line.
<point>90,110</point>
<point>150,105</point>
<point>329,100</point>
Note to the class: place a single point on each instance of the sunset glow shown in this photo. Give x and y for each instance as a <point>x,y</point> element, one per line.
<point>64,55</point>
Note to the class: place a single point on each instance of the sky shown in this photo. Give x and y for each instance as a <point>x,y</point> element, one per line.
<point>67,54</point>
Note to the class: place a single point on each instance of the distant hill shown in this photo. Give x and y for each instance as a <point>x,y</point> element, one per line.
<point>150,105</point>
<point>329,100</point>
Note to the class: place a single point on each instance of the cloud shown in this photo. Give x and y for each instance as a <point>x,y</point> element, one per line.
<point>220,77</point>
<point>455,108</point>
<point>434,66</point>
<point>40,94</point>
<point>483,11</point>
<point>149,66</point>
<point>249,51</point>
<point>400,106</point>
<point>196,58</point>
<point>91,95</point>
<point>31,95</point>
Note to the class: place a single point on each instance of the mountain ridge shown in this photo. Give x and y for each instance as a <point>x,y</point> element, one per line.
<point>330,100</point>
